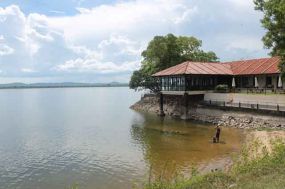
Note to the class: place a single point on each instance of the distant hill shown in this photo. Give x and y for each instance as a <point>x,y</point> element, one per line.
<point>60,85</point>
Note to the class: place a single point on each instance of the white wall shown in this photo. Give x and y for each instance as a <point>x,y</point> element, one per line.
<point>219,96</point>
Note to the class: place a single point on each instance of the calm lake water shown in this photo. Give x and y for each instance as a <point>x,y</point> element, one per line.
<point>52,138</point>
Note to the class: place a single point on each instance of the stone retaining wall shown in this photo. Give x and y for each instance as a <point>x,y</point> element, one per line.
<point>237,119</point>
<point>173,106</point>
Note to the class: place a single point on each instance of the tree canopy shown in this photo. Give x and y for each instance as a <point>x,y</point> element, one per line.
<point>274,22</point>
<point>165,51</point>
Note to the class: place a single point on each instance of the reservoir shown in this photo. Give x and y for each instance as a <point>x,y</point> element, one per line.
<point>53,138</point>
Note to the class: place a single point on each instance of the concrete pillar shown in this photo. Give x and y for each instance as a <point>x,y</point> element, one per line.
<point>161,111</point>
<point>186,103</point>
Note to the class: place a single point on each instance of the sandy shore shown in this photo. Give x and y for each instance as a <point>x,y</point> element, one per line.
<point>255,141</point>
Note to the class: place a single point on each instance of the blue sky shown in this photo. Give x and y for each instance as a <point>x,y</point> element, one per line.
<point>101,41</point>
<point>54,7</point>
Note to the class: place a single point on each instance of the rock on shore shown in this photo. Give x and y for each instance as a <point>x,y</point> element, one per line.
<point>150,103</point>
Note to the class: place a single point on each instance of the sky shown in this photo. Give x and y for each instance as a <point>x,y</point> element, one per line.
<point>99,41</point>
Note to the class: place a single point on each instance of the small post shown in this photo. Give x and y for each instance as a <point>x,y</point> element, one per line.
<point>239,105</point>
<point>210,102</point>
<point>161,112</point>
<point>278,109</point>
<point>265,89</point>
<point>257,106</point>
<point>224,103</point>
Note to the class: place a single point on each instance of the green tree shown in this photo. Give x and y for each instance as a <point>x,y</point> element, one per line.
<point>141,79</point>
<point>163,52</point>
<point>274,22</point>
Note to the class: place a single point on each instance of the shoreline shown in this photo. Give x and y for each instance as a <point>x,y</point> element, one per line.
<point>261,135</point>
<point>260,164</point>
<point>58,87</point>
<point>212,115</point>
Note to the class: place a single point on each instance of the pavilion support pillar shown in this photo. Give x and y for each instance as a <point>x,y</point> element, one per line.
<point>186,103</point>
<point>161,111</point>
<point>184,106</point>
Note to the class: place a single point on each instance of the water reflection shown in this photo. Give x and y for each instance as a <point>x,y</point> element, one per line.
<point>172,146</point>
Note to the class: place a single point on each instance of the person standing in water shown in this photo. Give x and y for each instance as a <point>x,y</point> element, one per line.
<point>218,132</point>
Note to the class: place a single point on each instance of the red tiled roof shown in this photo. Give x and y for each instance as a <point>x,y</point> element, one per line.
<point>243,67</point>
<point>255,66</point>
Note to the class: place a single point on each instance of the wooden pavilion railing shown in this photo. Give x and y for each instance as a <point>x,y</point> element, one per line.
<point>258,90</point>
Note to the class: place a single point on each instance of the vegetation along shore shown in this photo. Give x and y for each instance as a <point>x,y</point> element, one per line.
<point>261,164</point>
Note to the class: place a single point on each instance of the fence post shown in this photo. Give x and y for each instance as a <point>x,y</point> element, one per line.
<point>278,109</point>
<point>257,106</point>
<point>210,102</point>
<point>265,90</point>
<point>224,103</point>
<point>239,105</point>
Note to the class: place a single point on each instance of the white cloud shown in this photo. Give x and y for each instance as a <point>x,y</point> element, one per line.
<point>186,16</point>
<point>104,39</point>
<point>242,3</point>
<point>57,12</point>
<point>120,32</point>
<point>93,66</point>
<point>250,43</point>
<point>116,54</point>
<point>107,40</point>
<point>137,18</point>
<point>28,70</point>
<point>5,50</point>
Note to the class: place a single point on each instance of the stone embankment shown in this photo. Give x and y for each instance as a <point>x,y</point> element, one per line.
<point>150,103</point>
<point>238,119</point>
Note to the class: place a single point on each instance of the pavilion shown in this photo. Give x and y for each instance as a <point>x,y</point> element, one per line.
<point>256,75</point>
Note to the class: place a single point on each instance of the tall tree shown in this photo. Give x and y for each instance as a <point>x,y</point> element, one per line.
<point>166,51</point>
<point>274,22</point>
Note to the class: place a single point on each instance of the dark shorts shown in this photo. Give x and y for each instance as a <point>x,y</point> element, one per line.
<point>218,135</point>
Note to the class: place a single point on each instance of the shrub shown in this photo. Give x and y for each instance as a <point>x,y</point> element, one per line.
<point>222,88</point>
